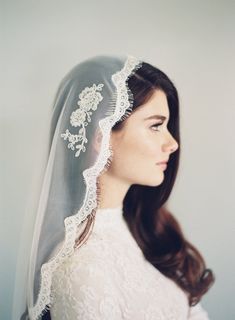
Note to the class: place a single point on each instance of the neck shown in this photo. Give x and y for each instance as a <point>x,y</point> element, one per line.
<point>112,191</point>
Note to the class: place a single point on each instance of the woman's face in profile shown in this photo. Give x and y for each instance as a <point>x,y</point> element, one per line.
<point>142,143</point>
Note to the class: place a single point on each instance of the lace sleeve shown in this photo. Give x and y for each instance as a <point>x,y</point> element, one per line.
<point>82,289</point>
<point>197,313</point>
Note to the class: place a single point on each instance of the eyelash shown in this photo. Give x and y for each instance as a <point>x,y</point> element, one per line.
<point>156,125</point>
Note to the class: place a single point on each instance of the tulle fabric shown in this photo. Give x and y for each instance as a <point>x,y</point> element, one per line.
<point>92,97</point>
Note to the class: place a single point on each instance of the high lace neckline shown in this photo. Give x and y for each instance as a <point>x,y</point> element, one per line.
<point>109,216</point>
<point>115,209</point>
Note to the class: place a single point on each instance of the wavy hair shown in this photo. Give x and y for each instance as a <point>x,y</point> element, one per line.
<point>155,229</point>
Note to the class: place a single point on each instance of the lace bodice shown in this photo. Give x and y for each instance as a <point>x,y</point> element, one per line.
<point>108,277</point>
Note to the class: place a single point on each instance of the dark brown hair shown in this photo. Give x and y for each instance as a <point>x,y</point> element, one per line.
<point>155,229</point>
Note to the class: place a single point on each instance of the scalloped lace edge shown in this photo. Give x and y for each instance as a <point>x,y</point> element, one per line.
<point>71,223</point>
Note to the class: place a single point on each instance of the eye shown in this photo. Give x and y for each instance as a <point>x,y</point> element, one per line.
<point>156,125</point>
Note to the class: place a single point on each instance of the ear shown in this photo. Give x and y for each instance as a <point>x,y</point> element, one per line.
<point>97,140</point>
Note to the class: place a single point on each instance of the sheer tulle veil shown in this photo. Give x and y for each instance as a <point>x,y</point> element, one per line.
<point>91,98</point>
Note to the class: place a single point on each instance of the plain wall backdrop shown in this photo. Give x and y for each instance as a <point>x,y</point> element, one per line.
<point>193,42</point>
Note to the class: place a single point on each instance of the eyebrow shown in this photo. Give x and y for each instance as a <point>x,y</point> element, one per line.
<point>156,116</point>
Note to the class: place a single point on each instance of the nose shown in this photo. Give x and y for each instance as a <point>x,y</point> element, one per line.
<point>171,145</point>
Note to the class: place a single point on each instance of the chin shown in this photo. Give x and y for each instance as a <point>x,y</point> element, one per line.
<point>157,183</point>
<point>158,180</point>
<point>153,183</point>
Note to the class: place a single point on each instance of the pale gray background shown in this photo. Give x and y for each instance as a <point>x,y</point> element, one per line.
<point>193,42</point>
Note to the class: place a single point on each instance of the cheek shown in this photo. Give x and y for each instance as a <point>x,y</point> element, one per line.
<point>143,145</point>
<point>135,151</point>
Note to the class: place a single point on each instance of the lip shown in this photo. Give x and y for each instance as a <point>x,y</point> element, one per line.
<point>163,162</point>
<point>163,165</point>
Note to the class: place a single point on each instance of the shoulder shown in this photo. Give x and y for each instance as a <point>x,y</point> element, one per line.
<point>83,287</point>
<point>197,312</point>
<point>87,262</point>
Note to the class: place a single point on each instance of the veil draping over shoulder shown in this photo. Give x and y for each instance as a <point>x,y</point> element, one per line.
<point>93,96</point>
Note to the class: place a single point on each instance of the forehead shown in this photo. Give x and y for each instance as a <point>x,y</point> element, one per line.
<point>157,104</point>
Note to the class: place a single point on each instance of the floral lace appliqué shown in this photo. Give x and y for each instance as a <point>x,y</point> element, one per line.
<point>124,102</point>
<point>89,100</point>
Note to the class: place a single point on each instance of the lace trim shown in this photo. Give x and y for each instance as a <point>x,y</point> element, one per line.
<point>123,104</point>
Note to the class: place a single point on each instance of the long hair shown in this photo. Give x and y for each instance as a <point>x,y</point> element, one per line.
<point>155,229</point>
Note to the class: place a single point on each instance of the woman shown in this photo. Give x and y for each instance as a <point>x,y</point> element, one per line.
<point>105,243</point>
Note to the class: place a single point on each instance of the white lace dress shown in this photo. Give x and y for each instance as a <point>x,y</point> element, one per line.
<point>109,278</point>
